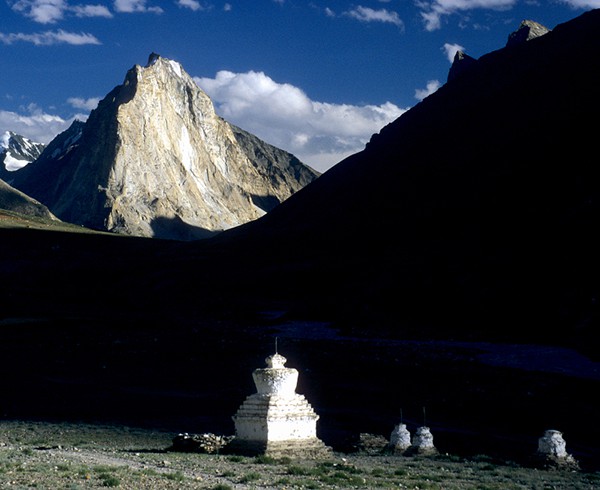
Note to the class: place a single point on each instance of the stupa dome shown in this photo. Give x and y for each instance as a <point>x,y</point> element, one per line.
<point>276,379</point>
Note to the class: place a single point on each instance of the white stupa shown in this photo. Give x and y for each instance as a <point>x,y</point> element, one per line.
<point>399,439</point>
<point>276,420</point>
<point>422,442</point>
<point>552,451</point>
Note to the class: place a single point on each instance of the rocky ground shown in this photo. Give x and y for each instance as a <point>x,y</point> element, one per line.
<point>76,456</point>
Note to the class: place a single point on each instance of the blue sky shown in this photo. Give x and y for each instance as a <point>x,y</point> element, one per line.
<point>313,77</point>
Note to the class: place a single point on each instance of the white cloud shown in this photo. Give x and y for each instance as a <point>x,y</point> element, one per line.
<point>4,139</point>
<point>431,87</point>
<point>227,7</point>
<point>130,6</point>
<point>451,50</point>
<point>433,11</point>
<point>366,14</point>
<point>81,103</point>
<point>320,134</point>
<point>190,4</point>
<point>35,124</point>
<point>582,4</point>
<point>49,38</point>
<point>91,11</point>
<point>52,11</point>
<point>42,11</point>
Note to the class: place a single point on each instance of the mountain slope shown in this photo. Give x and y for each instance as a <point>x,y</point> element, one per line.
<point>473,212</point>
<point>13,200</point>
<point>154,160</point>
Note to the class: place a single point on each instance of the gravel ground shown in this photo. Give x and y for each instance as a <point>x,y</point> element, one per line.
<point>80,456</point>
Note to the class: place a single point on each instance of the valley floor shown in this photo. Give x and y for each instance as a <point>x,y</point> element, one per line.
<point>77,456</point>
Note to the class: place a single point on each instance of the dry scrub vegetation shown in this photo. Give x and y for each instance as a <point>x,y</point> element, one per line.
<point>80,456</point>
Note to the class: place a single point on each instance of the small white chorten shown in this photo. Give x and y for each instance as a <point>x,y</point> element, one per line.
<point>400,439</point>
<point>552,451</point>
<point>422,442</point>
<point>276,420</point>
<point>553,444</point>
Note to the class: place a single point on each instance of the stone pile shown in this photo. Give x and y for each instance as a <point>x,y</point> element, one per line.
<point>202,443</point>
<point>370,444</point>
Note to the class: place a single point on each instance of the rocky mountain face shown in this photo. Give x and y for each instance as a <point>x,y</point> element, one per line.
<point>527,31</point>
<point>155,160</point>
<point>16,152</point>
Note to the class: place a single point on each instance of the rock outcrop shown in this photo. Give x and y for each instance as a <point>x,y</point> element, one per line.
<point>528,30</point>
<point>461,63</point>
<point>155,160</point>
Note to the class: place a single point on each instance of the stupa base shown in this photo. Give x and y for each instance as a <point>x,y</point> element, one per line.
<point>295,448</point>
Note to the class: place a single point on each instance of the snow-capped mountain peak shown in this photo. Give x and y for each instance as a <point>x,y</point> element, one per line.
<point>16,151</point>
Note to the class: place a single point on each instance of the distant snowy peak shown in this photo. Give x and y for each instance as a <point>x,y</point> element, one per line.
<point>16,151</point>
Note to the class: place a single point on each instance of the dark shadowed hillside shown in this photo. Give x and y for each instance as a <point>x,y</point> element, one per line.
<point>472,214</point>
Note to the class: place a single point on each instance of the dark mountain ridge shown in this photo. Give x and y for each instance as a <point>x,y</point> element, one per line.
<point>473,210</point>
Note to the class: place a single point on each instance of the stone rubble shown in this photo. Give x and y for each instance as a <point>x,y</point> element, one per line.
<point>203,443</point>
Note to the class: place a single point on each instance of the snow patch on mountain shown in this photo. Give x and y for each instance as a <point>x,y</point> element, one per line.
<point>11,163</point>
<point>176,67</point>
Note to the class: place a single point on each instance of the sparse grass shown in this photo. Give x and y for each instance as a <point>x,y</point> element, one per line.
<point>109,480</point>
<point>250,477</point>
<point>296,470</point>
<point>235,458</point>
<point>54,463</point>
<point>11,219</point>
<point>265,459</point>
<point>176,476</point>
